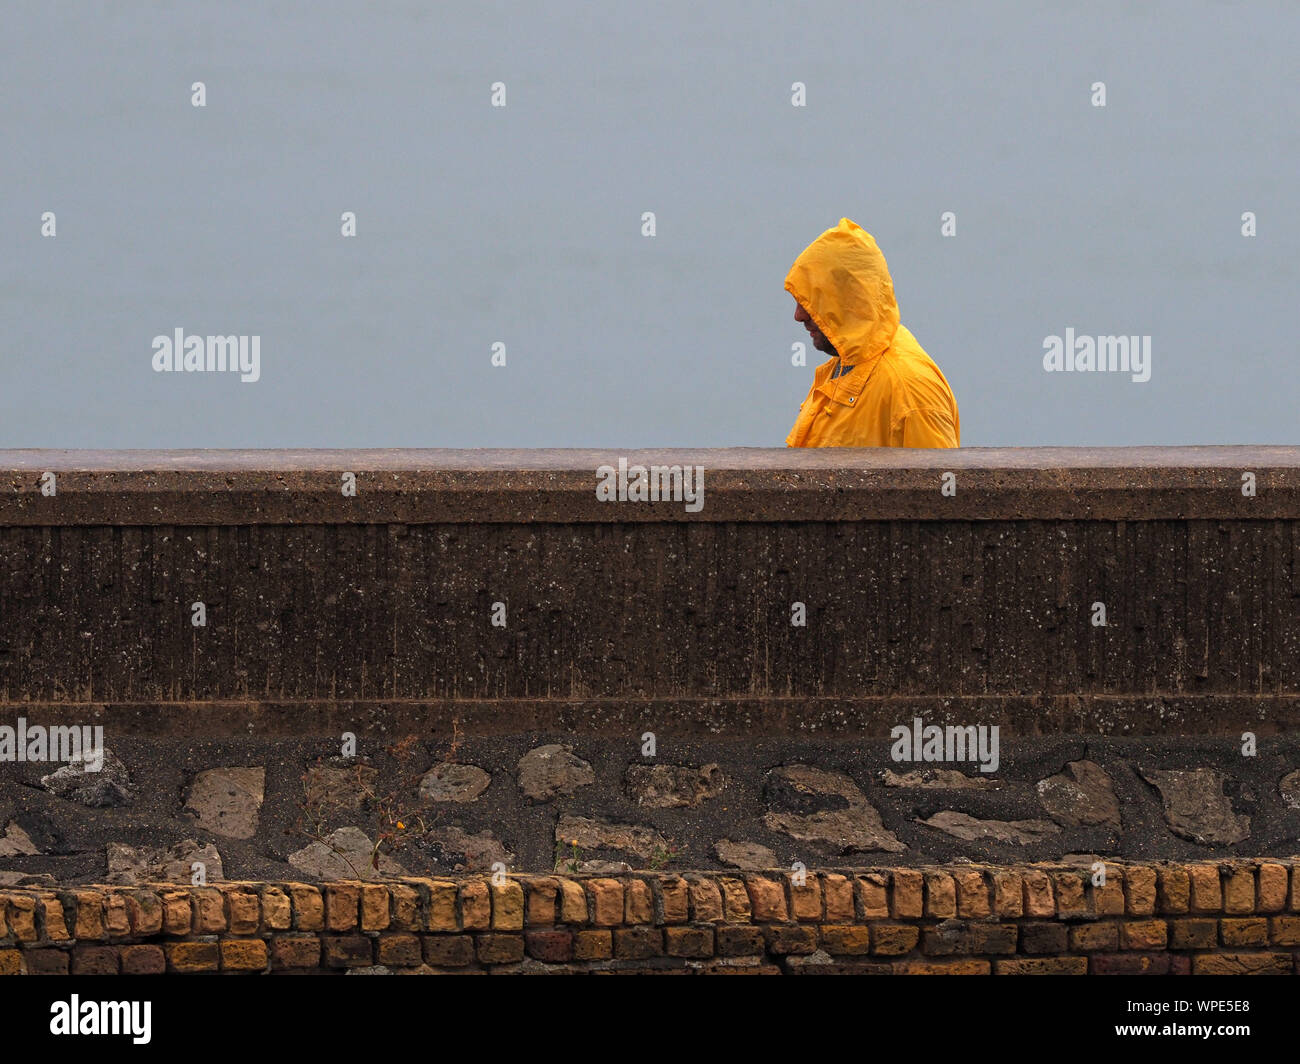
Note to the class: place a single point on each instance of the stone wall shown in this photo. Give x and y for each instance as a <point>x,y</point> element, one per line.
<point>472,663</point>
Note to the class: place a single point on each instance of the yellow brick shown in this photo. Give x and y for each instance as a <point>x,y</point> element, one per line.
<point>894,939</point>
<point>1272,888</point>
<point>116,921</point>
<point>851,939</point>
<point>178,912</point>
<point>541,896</point>
<point>192,956</point>
<point>1239,891</point>
<point>573,902</point>
<point>1285,930</point>
<point>507,906</point>
<point>243,912</point>
<point>1140,890</point>
<point>940,895</point>
<point>593,945</point>
<point>342,906</point>
<point>837,894</point>
<point>1071,897</point>
<point>972,893</point>
<point>308,907</point>
<point>22,917</point>
<point>1086,938</point>
<point>1144,934</point>
<point>767,895</point>
<point>736,905</point>
<point>806,900</point>
<point>442,914</point>
<point>90,916</point>
<point>277,912</point>
<point>1108,899</point>
<point>406,907</point>
<point>1008,893</point>
<point>1039,899</point>
<point>873,893</point>
<point>56,927</point>
<point>209,910</point>
<point>1244,931</point>
<point>908,893</point>
<point>475,906</point>
<point>1242,964</point>
<point>243,954</point>
<point>1206,893</point>
<point>675,895</point>
<point>374,907</point>
<point>1175,889</point>
<point>706,902</point>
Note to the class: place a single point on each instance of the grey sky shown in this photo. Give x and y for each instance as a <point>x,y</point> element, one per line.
<point>522,225</point>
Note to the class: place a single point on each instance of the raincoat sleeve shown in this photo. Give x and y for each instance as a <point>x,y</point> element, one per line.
<point>927,427</point>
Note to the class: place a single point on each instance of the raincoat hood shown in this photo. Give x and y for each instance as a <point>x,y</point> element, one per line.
<point>842,281</point>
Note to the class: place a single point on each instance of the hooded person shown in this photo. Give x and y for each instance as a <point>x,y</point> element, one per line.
<point>880,388</point>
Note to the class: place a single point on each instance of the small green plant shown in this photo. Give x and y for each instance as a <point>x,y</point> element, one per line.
<point>567,863</point>
<point>662,855</point>
<point>397,822</point>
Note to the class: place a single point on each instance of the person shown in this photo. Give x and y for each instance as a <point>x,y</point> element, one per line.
<point>879,387</point>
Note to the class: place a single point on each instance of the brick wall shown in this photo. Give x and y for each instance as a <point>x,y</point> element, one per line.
<point>1223,918</point>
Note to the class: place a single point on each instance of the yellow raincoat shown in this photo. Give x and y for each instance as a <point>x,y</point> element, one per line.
<point>887,391</point>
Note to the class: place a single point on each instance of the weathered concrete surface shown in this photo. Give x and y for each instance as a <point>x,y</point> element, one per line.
<point>388,597</point>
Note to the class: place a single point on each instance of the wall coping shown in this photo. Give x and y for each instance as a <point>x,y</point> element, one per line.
<point>420,486</point>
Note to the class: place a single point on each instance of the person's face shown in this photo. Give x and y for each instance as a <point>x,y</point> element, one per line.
<point>818,337</point>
